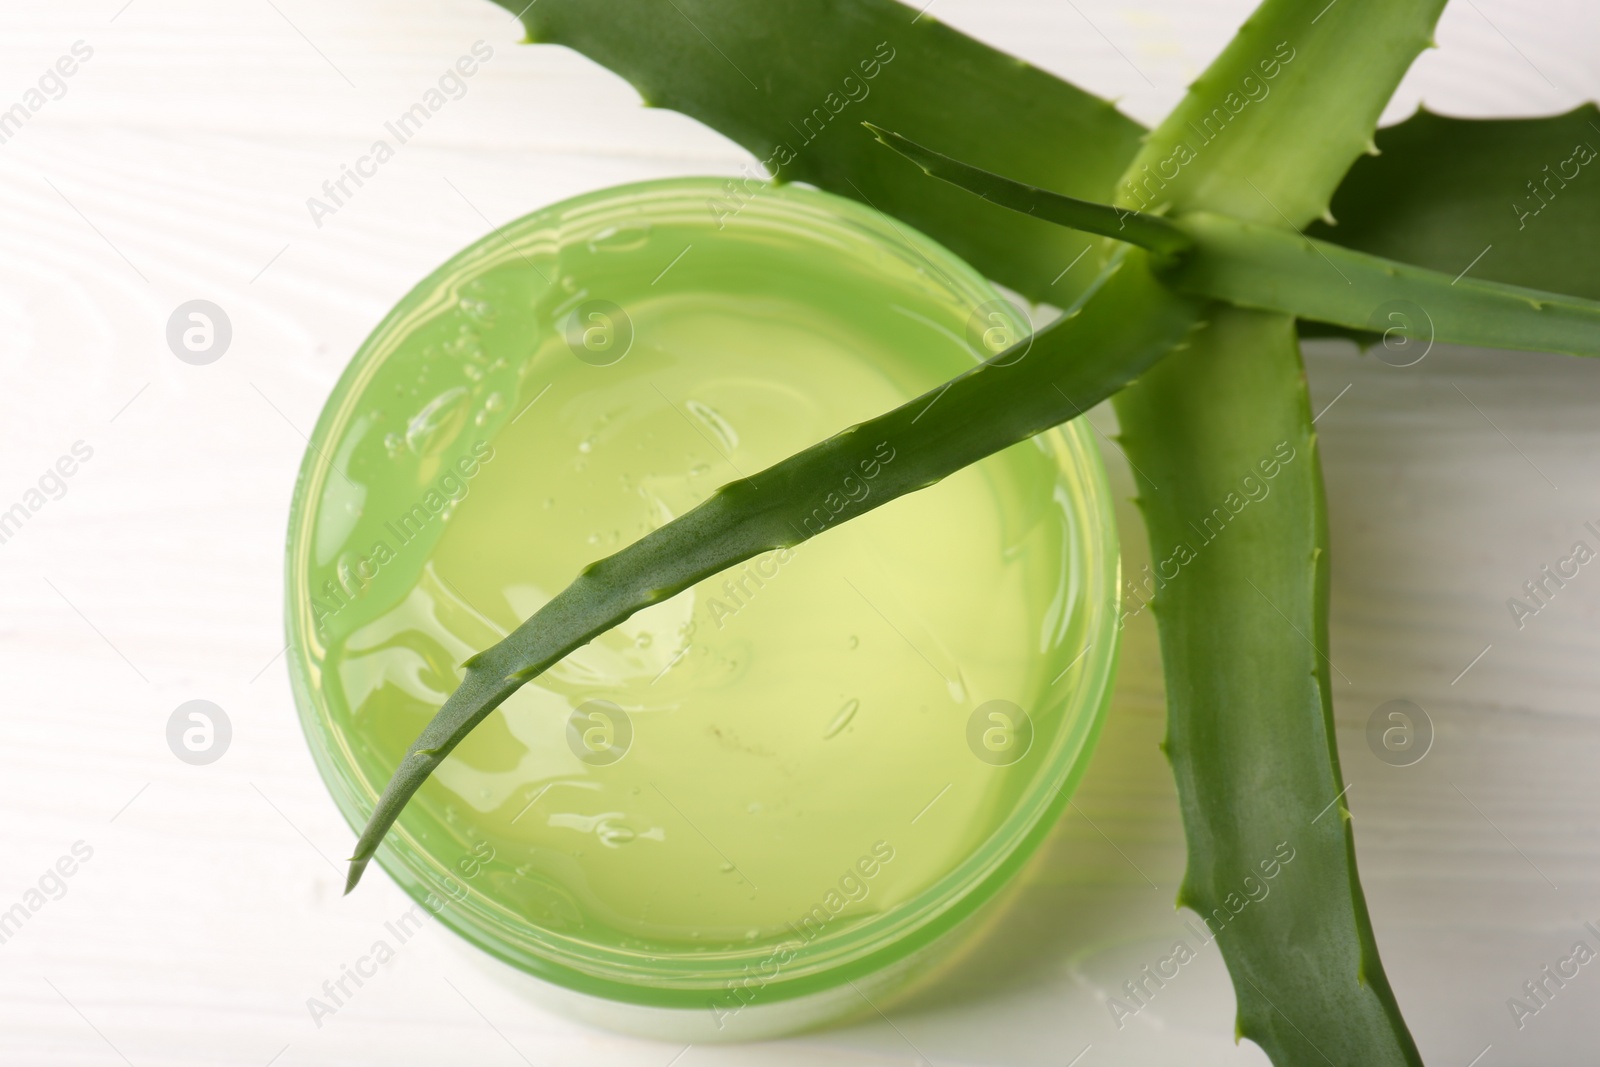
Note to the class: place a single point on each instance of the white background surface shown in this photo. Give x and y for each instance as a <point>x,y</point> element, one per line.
<point>178,165</point>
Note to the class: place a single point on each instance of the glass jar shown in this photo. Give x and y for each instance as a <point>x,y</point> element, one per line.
<point>779,797</point>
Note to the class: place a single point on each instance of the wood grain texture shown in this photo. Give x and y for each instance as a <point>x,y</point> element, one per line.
<point>177,165</point>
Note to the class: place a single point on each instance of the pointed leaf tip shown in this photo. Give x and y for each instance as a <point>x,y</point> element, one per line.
<point>353,877</point>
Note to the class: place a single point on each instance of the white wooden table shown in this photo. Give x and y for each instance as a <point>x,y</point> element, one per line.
<point>177,165</point>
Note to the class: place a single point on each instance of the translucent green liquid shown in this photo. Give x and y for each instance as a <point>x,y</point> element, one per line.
<point>797,722</point>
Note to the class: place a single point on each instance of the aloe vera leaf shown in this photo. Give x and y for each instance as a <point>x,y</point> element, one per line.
<point>1044,380</point>
<point>772,77</point>
<point>1150,232</point>
<point>1273,269</point>
<point>1269,268</point>
<point>1244,644</point>
<point>1243,621</point>
<point>1453,194</point>
<point>1270,128</point>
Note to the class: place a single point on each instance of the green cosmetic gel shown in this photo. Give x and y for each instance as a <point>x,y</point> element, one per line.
<point>780,771</point>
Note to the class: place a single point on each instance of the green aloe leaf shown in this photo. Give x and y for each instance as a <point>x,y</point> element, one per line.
<point>1238,540</point>
<point>1244,625</point>
<point>1151,232</point>
<point>1046,379</point>
<point>1269,130</point>
<point>1515,200</point>
<point>792,81</point>
<point>1273,269</point>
